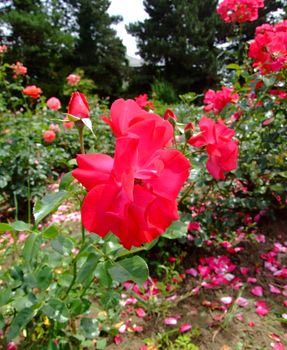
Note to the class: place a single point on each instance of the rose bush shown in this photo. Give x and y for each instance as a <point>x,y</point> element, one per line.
<point>203,173</point>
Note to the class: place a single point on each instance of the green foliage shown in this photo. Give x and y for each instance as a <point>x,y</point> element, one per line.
<point>163,91</point>
<point>32,26</point>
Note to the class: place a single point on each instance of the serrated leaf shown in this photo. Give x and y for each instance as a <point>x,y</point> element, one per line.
<point>20,226</point>
<point>90,327</point>
<point>50,232</point>
<point>5,296</point>
<point>62,245</point>
<point>56,310</point>
<point>233,66</point>
<point>87,271</point>
<point>176,230</point>
<point>43,277</point>
<point>48,204</point>
<point>19,322</point>
<point>66,180</point>
<point>31,247</point>
<point>134,269</point>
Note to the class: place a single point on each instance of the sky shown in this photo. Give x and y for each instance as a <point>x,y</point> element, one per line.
<point>131,11</point>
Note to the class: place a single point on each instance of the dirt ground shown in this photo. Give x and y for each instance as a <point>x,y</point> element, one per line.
<point>231,327</point>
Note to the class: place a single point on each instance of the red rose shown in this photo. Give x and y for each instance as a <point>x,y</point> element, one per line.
<point>32,91</point>
<point>49,136</point>
<point>78,105</point>
<point>222,150</point>
<point>133,194</point>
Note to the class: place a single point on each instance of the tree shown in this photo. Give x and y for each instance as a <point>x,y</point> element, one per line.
<point>37,34</point>
<point>178,38</point>
<point>98,51</point>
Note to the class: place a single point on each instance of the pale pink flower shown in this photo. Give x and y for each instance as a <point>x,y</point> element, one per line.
<point>170,321</point>
<point>185,327</point>
<point>274,289</point>
<point>53,103</point>
<point>140,312</point>
<point>73,79</point>
<point>257,291</point>
<point>241,302</point>
<point>226,300</point>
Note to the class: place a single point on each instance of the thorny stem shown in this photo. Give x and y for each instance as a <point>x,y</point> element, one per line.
<point>80,127</point>
<point>186,193</point>
<point>74,277</point>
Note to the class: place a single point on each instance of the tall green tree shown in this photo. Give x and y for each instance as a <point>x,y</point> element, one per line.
<point>99,52</point>
<point>38,34</point>
<point>179,38</point>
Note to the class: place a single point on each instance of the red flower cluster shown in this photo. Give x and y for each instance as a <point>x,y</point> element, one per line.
<point>133,194</point>
<point>217,100</point>
<point>73,79</point>
<point>19,68</point>
<point>32,91</point>
<point>3,49</point>
<point>269,47</point>
<point>239,10</point>
<point>222,150</point>
<point>142,101</point>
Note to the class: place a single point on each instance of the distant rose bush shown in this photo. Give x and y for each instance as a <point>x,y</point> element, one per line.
<point>239,10</point>
<point>269,47</point>
<point>32,91</point>
<point>73,79</point>
<point>54,103</point>
<point>19,68</point>
<point>49,136</point>
<point>216,100</point>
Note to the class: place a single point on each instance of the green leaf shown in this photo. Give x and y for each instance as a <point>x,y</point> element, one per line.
<point>176,230</point>
<point>102,274</point>
<point>19,322</point>
<point>48,204</point>
<point>269,81</point>
<point>5,227</point>
<point>44,277</point>
<point>31,247</point>
<point>56,310</point>
<point>134,269</point>
<point>62,245</point>
<point>90,327</point>
<point>2,322</point>
<point>87,271</point>
<point>5,296</point>
<point>79,306</point>
<point>20,226</point>
<point>66,180</point>
<point>101,344</point>
<point>50,232</point>
<point>277,187</point>
<point>233,66</point>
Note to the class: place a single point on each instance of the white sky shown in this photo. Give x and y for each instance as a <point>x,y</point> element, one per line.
<point>131,11</point>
